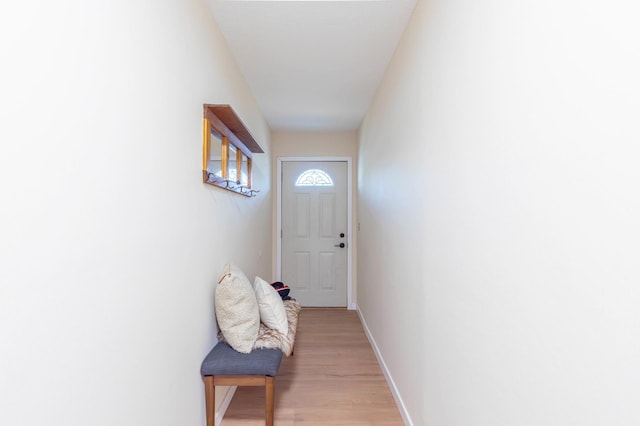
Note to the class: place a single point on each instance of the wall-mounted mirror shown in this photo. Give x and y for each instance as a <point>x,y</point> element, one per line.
<point>213,165</point>
<point>226,158</point>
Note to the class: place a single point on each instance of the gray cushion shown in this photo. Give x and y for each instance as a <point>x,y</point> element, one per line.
<point>223,359</point>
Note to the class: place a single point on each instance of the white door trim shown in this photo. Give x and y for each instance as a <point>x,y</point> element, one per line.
<point>350,297</point>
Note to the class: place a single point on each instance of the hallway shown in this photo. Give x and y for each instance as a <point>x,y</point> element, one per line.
<point>332,379</point>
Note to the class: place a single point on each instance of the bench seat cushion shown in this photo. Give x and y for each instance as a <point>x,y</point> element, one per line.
<point>223,359</point>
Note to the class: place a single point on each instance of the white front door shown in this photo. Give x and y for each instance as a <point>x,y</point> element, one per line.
<point>314,231</point>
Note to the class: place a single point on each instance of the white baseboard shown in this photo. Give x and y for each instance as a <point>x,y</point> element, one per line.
<point>387,375</point>
<point>225,404</point>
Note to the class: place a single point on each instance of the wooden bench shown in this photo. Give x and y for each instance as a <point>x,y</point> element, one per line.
<point>224,366</point>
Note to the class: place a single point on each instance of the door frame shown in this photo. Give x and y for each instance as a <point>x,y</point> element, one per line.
<point>350,297</point>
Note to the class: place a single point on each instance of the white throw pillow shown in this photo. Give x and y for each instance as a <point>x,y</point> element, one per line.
<point>272,312</point>
<point>237,309</point>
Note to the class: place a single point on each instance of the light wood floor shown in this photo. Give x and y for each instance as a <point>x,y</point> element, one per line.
<point>332,379</point>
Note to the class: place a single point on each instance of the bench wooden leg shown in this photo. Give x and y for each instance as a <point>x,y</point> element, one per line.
<point>210,383</point>
<point>269,391</point>
<point>210,400</point>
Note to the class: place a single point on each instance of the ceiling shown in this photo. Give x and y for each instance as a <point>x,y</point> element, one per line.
<point>312,65</point>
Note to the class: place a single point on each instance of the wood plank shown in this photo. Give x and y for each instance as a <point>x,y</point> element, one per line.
<point>231,121</point>
<point>233,380</point>
<point>333,379</point>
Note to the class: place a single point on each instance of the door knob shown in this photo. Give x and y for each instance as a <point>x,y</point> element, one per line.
<point>341,245</point>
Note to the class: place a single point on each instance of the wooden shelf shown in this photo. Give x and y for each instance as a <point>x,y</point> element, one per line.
<point>227,150</point>
<point>224,118</point>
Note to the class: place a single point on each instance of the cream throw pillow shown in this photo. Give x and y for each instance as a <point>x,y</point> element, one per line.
<point>237,309</point>
<point>272,311</point>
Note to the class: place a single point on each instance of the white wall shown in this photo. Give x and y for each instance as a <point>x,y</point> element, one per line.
<point>110,244</point>
<point>498,267</point>
<point>314,144</point>
<point>317,144</point>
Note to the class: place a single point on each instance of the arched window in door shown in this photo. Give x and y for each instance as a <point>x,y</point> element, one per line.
<point>314,177</point>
